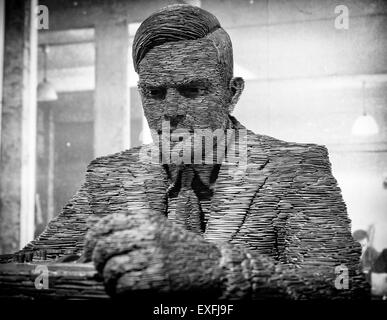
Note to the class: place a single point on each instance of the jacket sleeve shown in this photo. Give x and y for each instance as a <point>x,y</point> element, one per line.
<point>65,233</point>
<point>316,254</point>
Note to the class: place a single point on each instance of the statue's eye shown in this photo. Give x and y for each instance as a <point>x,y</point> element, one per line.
<point>156,93</point>
<point>191,91</point>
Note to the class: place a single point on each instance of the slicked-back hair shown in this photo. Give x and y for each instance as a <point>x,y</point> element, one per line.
<point>179,23</point>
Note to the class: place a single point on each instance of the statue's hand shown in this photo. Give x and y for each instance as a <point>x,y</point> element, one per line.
<point>143,252</point>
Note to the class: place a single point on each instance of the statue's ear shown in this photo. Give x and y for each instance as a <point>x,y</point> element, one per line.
<point>236,87</point>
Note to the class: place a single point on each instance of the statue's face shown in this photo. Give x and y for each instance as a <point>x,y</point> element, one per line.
<point>182,83</point>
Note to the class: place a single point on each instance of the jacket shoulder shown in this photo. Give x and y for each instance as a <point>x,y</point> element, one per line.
<point>276,148</point>
<point>284,155</point>
<point>120,159</point>
<point>274,144</point>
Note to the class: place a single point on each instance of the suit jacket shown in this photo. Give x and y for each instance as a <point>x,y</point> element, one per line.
<point>286,206</point>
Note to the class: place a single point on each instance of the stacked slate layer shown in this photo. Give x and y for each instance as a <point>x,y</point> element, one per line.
<point>281,228</point>
<point>64,281</point>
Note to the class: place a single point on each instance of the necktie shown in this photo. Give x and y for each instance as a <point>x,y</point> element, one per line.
<point>188,212</point>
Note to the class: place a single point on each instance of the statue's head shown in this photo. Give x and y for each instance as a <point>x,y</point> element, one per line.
<point>185,65</point>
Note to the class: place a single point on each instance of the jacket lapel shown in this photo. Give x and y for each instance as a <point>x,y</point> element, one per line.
<point>234,191</point>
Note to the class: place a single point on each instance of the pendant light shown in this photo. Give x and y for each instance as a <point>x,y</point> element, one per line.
<point>46,91</point>
<point>365,125</point>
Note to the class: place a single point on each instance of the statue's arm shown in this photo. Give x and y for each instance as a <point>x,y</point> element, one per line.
<point>248,274</point>
<point>140,251</point>
<point>64,234</point>
<point>313,240</point>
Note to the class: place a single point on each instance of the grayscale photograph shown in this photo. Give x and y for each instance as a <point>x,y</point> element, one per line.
<point>178,152</point>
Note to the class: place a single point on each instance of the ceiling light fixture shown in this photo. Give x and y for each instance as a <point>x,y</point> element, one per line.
<point>365,125</point>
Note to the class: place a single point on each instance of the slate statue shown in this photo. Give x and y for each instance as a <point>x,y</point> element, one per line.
<point>272,224</point>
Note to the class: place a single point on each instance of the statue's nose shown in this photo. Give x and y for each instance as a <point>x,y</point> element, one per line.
<point>174,111</point>
<point>174,120</point>
<point>172,102</point>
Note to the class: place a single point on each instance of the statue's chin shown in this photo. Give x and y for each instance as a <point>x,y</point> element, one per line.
<point>189,151</point>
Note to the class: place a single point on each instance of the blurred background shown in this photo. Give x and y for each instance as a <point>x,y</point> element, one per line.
<point>314,73</point>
